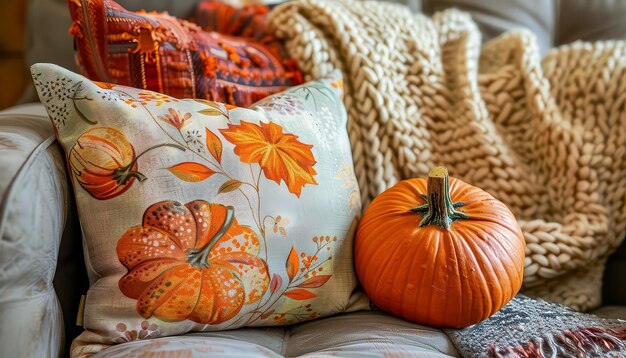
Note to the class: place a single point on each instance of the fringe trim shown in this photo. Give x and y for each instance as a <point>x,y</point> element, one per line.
<point>580,342</point>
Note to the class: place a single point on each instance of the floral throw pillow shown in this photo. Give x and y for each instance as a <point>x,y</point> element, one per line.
<point>200,216</point>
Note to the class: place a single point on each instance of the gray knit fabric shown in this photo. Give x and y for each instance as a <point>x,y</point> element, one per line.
<point>529,327</point>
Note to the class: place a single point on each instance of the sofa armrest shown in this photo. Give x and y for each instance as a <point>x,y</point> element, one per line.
<point>33,201</point>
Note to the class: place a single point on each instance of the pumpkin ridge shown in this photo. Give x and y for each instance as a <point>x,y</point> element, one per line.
<point>93,180</point>
<point>108,143</point>
<point>492,221</point>
<point>170,236</point>
<point>237,273</point>
<point>227,266</point>
<point>148,284</point>
<point>167,295</point>
<point>214,312</point>
<point>437,242</point>
<point>423,258</point>
<point>203,282</point>
<point>110,188</point>
<point>467,244</point>
<point>509,251</point>
<point>113,189</point>
<point>237,276</point>
<point>478,247</point>
<point>412,257</point>
<point>473,263</point>
<point>95,138</point>
<point>453,238</point>
<point>86,162</point>
<point>216,319</point>
<point>126,248</point>
<point>500,242</point>
<point>144,262</point>
<point>197,216</point>
<point>473,298</point>
<point>382,270</point>
<point>213,318</point>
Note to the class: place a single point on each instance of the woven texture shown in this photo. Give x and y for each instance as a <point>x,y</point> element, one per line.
<point>249,21</point>
<point>547,138</point>
<point>527,327</point>
<point>159,52</point>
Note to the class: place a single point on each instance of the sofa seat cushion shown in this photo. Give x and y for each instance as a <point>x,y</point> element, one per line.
<point>358,334</point>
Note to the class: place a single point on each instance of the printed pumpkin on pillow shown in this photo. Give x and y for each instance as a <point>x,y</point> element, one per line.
<point>200,216</point>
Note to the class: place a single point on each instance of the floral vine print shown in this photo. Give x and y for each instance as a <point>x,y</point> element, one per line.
<point>194,260</point>
<point>66,93</point>
<point>283,104</point>
<point>147,330</point>
<point>304,272</point>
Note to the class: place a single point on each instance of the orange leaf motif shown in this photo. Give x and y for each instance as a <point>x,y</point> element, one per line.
<point>293,263</point>
<point>315,281</point>
<point>214,145</point>
<point>280,155</point>
<point>212,110</point>
<point>191,172</point>
<point>267,314</point>
<point>104,85</point>
<point>299,294</point>
<point>229,185</point>
<point>276,283</point>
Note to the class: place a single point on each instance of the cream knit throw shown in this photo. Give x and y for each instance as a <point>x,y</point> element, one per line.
<point>548,138</point>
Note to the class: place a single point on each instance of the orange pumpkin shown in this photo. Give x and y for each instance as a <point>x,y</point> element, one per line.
<point>193,262</point>
<point>104,162</point>
<point>439,252</point>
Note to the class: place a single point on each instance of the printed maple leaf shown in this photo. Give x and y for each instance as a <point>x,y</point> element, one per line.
<point>281,155</point>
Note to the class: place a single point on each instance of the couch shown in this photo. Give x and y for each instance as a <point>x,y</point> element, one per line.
<point>42,271</point>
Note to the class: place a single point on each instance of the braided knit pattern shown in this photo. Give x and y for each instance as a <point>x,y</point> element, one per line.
<point>548,138</point>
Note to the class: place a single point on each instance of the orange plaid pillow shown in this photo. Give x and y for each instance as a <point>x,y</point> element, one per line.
<point>248,21</point>
<point>158,52</point>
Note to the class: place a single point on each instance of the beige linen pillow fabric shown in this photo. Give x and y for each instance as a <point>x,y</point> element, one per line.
<point>199,216</point>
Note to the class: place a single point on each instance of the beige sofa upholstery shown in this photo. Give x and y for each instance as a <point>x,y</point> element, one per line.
<point>34,195</point>
<point>40,235</point>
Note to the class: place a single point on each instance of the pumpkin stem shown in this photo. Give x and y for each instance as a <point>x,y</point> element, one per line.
<point>198,257</point>
<point>123,174</point>
<point>439,209</point>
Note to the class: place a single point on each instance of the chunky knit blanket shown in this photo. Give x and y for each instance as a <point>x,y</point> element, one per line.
<point>548,138</point>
